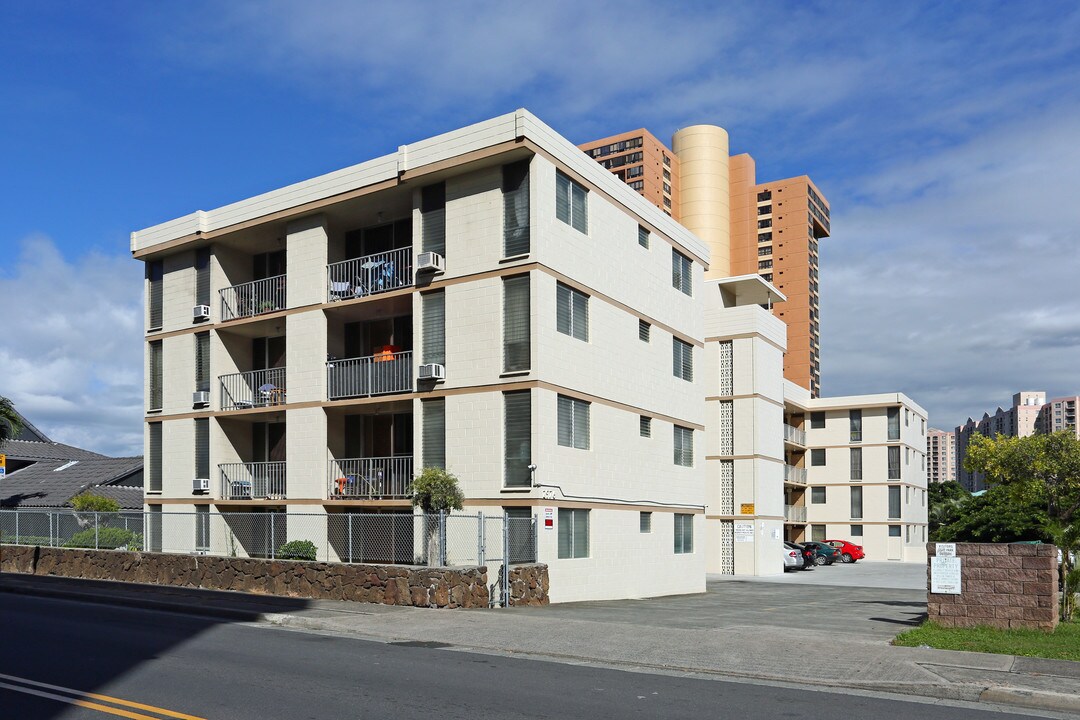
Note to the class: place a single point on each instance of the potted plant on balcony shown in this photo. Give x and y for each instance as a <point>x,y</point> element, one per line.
<point>435,491</point>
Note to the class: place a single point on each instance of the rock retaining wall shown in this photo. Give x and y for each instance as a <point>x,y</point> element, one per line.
<point>528,585</point>
<point>386,584</point>
<point>1002,586</point>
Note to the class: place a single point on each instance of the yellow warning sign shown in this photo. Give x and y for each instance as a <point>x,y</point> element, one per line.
<point>747,508</point>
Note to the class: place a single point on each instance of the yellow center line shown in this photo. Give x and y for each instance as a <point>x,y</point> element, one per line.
<point>93,706</point>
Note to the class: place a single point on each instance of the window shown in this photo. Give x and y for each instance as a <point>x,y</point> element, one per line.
<point>202,448</point>
<point>517,435</point>
<point>202,363</point>
<point>682,359</point>
<point>684,533</point>
<point>817,457</point>
<point>817,533</point>
<point>907,533</point>
<point>645,426</point>
<point>856,463</point>
<point>894,422</point>
<point>681,278</point>
<point>573,423</point>
<point>572,312</point>
<point>684,446</point>
<point>433,218</point>
<point>907,417</point>
<point>573,533</point>
<point>638,185</point>
<point>643,236</point>
<point>907,456</point>
<point>202,527</point>
<point>767,222</point>
<point>764,237</point>
<point>515,187</point>
<point>202,276</point>
<point>817,420</point>
<point>155,272</point>
<point>767,277</point>
<point>571,203</point>
<point>155,375</point>
<point>433,432</point>
<point>152,540</point>
<point>856,503</point>
<point>764,250</point>
<point>643,330</point>
<point>645,522</point>
<point>855,419</point>
<point>517,350</point>
<point>856,531</point>
<point>153,463</point>
<point>894,462</point>
<point>894,531</point>
<point>433,307</point>
<point>764,264</point>
<point>764,195</point>
<point>894,501</point>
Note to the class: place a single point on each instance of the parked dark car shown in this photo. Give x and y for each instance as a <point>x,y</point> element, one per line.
<point>806,555</point>
<point>826,554</point>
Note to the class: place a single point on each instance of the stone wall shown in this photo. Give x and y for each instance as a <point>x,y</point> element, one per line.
<point>1001,585</point>
<point>386,584</point>
<point>528,585</point>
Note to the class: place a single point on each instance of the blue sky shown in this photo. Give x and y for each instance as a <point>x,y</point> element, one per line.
<point>946,137</point>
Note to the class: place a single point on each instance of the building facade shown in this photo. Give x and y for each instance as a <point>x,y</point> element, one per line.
<point>940,456</point>
<point>1057,415</point>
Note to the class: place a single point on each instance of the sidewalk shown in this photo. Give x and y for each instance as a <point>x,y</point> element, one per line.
<point>762,653</point>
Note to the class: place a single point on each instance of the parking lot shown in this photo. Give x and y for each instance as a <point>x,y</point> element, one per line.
<point>869,600</point>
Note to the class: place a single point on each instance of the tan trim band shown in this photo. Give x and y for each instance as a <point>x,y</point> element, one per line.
<point>588,505</point>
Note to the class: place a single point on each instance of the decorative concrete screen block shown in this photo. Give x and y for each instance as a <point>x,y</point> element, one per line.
<point>1001,585</point>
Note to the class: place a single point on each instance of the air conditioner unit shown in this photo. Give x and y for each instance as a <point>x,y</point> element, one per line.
<point>200,397</point>
<point>432,371</point>
<point>429,262</point>
<point>200,485</point>
<point>200,312</point>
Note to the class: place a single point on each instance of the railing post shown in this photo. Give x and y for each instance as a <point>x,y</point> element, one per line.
<point>506,559</point>
<point>16,527</point>
<point>97,526</point>
<point>350,516</point>
<point>480,539</point>
<point>442,538</point>
<point>273,536</point>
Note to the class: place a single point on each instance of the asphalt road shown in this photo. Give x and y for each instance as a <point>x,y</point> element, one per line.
<point>56,652</point>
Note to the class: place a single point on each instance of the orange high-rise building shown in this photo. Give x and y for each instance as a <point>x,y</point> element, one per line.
<point>771,228</point>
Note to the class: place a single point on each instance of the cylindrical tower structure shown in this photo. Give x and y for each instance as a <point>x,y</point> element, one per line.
<point>705,205</point>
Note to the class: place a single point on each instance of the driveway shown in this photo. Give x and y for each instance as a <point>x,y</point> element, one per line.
<point>847,599</point>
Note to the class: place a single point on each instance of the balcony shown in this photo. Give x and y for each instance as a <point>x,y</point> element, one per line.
<point>374,478</point>
<point>794,435</point>
<point>794,474</point>
<point>254,389</point>
<point>379,374</point>
<point>795,513</point>
<point>253,298</point>
<point>253,481</point>
<point>369,275</point>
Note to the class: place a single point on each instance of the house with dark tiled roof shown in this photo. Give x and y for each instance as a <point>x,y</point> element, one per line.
<point>42,473</point>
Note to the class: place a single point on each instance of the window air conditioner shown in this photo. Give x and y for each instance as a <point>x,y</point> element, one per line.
<point>200,397</point>
<point>429,262</point>
<point>432,371</point>
<point>200,485</point>
<point>200,312</point>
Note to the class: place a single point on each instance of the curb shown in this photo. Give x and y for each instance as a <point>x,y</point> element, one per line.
<point>1034,699</point>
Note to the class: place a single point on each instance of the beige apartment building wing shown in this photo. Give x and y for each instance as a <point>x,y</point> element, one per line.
<point>940,456</point>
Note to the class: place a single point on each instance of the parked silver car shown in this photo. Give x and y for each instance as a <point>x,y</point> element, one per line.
<point>796,557</point>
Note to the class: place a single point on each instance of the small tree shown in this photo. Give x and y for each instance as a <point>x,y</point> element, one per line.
<point>88,502</point>
<point>435,491</point>
<point>10,422</point>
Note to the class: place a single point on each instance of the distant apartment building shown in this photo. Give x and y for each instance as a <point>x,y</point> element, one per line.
<point>770,229</point>
<point>1018,420</point>
<point>940,456</point>
<point>1058,414</point>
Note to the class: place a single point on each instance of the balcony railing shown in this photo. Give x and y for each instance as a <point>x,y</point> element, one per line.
<point>372,375</point>
<point>794,435</point>
<point>254,389</point>
<point>369,274</point>
<point>795,513</point>
<point>253,298</point>
<point>253,481</point>
<point>370,478</point>
<point>794,474</point>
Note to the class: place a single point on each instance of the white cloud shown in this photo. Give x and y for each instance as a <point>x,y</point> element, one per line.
<point>71,359</point>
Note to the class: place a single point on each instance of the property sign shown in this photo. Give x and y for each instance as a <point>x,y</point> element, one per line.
<point>744,532</point>
<point>746,508</point>
<point>946,549</point>
<point>3,466</point>
<point>945,575</point>
<point>549,518</point>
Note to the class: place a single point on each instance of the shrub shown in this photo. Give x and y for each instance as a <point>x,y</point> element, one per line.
<point>9,539</point>
<point>88,502</point>
<point>435,489</point>
<point>108,538</point>
<point>298,550</point>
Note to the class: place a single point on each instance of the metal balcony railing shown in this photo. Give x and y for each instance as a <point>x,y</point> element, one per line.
<point>371,375</point>
<point>253,481</point>
<point>253,298</point>
<point>257,388</point>
<point>794,435</point>
<point>370,478</point>
<point>794,474</point>
<point>369,274</point>
<point>795,513</point>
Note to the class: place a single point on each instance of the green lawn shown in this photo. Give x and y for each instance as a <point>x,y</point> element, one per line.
<point>1062,644</point>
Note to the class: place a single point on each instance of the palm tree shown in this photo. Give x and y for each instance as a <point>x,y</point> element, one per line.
<point>10,422</point>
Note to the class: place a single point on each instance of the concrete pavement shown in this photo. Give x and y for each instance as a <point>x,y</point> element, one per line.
<point>654,637</point>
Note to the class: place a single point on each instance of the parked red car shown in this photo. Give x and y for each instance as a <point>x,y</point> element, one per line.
<point>849,552</point>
